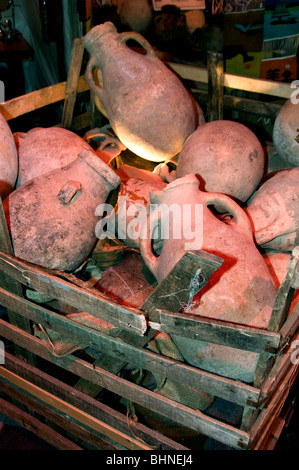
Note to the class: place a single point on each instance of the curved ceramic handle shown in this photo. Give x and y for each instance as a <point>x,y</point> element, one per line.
<point>225,202</point>
<point>91,66</point>
<point>138,38</point>
<point>68,192</point>
<point>145,241</point>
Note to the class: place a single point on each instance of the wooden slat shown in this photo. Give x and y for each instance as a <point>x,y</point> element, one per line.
<point>277,392</point>
<point>238,82</point>
<point>290,326</point>
<point>238,103</point>
<point>138,357</point>
<point>284,297</point>
<point>190,274</point>
<point>35,426</point>
<point>193,419</point>
<point>72,83</point>
<point>216,331</point>
<point>215,86</point>
<point>282,365</point>
<point>64,422</point>
<point>70,410</point>
<point>38,99</point>
<point>10,283</point>
<point>90,300</point>
<point>96,408</point>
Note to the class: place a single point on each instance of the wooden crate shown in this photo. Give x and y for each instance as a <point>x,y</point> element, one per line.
<point>53,405</point>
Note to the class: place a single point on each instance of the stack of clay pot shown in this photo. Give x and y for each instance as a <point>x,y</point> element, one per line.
<point>220,167</point>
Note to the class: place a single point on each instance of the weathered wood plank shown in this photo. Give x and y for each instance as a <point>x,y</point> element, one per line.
<point>11,284</point>
<point>99,410</point>
<point>238,82</point>
<point>276,389</point>
<point>69,410</point>
<point>285,361</point>
<point>72,83</point>
<point>190,274</point>
<point>238,103</point>
<point>215,86</point>
<point>290,326</point>
<point>166,367</point>
<point>34,100</point>
<point>35,426</point>
<point>59,419</point>
<point>88,300</point>
<point>284,296</point>
<point>174,411</point>
<point>216,331</point>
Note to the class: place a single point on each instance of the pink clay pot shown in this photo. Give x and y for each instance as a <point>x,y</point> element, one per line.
<point>45,149</point>
<point>226,156</point>
<point>286,132</point>
<point>51,218</point>
<point>148,107</point>
<point>242,289</point>
<point>274,211</point>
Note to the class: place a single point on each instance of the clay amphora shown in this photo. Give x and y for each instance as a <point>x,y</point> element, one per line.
<point>8,159</point>
<point>274,211</point>
<point>45,149</point>
<point>227,157</point>
<point>242,289</point>
<point>149,109</point>
<point>286,133</point>
<point>51,218</point>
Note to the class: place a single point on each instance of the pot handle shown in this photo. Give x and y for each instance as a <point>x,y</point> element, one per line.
<point>68,192</point>
<point>91,66</point>
<point>145,241</point>
<point>222,201</point>
<point>140,39</point>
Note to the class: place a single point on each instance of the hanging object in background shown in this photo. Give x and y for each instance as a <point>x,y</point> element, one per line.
<point>286,132</point>
<point>8,159</point>
<point>274,211</point>
<point>242,289</point>
<point>148,107</point>
<point>227,157</point>
<point>51,218</point>
<point>44,149</point>
<point>136,15</point>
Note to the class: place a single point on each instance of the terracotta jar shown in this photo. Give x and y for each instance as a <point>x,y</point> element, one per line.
<point>227,157</point>
<point>51,218</point>
<point>286,133</point>
<point>8,159</point>
<point>149,109</point>
<point>242,289</point>
<point>274,211</point>
<point>44,149</point>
